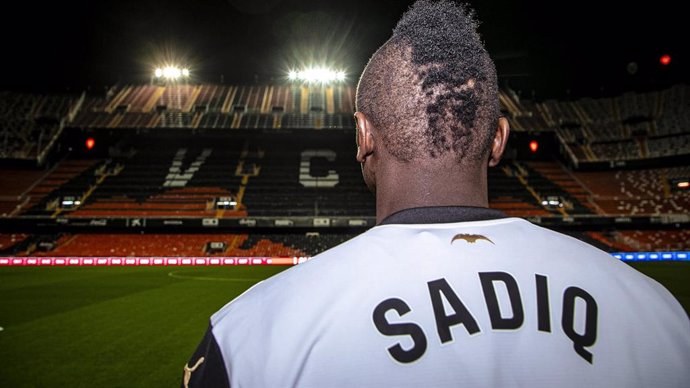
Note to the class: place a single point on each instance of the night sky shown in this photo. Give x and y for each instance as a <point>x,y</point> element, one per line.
<point>549,48</point>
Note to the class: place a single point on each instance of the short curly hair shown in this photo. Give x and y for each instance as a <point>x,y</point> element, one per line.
<point>432,76</point>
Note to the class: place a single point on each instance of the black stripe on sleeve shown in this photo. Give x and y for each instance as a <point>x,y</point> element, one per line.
<point>206,367</point>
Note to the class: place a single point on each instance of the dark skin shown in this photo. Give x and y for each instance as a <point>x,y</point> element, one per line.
<point>424,181</point>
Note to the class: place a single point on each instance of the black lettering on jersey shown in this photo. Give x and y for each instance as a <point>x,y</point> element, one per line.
<point>543,309</point>
<point>443,321</point>
<point>408,328</point>
<point>586,339</point>
<point>497,321</point>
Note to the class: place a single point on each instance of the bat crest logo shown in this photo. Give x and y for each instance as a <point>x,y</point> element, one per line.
<point>470,238</point>
<point>188,371</point>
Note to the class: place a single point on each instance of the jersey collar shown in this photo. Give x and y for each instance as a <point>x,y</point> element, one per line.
<point>442,215</point>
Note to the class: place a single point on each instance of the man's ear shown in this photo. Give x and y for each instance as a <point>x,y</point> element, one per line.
<point>365,138</point>
<point>500,141</point>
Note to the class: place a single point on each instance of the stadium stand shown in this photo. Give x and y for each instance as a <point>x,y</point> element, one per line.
<point>166,177</point>
<point>103,245</point>
<point>220,106</point>
<point>71,178</point>
<point>543,188</point>
<point>302,174</point>
<point>668,146</point>
<point>634,192</point>
<point>509,193</point>
<point>8,241</point>
<point>564,179</point>
<point>30,124</point>
<point>634,126</point>
<point>643,240</point>
<point>44,195</point>
<point>275,244</point>
<point>308,176</point>
<point>15,184</point>
<point>276,162</point>
<point>629,127</point>
<point>623,150</point>
<point>311,175</point>
<point>606,240</point>
<point>308,243</point>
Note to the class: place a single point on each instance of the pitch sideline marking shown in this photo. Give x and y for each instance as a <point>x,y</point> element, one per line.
<point>174,274</point>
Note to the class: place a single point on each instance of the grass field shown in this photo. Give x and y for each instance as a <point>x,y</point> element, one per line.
<point>135,326</point>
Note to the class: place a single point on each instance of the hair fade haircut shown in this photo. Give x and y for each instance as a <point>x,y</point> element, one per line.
<point>432,88</point>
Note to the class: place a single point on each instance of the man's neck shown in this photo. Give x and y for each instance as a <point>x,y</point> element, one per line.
<point>401,187</point>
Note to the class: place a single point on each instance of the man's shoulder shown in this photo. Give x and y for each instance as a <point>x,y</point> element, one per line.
<point>580,259</point>
<point>301,281</point>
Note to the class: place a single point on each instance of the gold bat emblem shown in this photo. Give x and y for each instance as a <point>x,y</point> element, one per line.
<point>470,238</point>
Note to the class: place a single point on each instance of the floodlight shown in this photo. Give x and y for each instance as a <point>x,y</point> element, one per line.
<point>317,75</point>
<point>171,72</point>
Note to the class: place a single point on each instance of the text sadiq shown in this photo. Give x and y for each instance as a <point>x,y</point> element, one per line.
<point>462,316</point>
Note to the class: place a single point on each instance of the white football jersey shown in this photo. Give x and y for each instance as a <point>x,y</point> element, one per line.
<point>497,302</point>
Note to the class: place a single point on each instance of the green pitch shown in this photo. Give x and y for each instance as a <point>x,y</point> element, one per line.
<point>109,327</point>
<point>675,276</point>
<point>135,327</point>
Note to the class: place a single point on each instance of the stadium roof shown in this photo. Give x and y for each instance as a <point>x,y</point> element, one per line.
<point>544,46</point>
